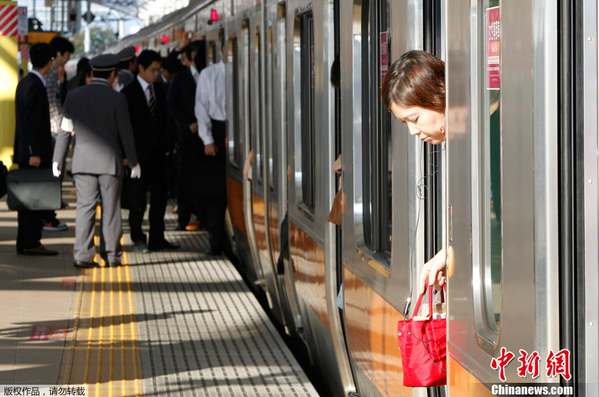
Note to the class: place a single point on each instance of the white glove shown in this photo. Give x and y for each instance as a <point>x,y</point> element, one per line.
<point>55,171</point>
<point>136,171</point>
<point>66,125</point>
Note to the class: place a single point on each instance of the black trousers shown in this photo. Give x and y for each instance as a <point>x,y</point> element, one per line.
<point>29,232</point>
<point>190,154</point>
<point>153,180</point>
<point>30,223</point>
<point>215,183</point>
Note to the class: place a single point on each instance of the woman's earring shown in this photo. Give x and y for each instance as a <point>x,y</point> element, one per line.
<point>443,130</point>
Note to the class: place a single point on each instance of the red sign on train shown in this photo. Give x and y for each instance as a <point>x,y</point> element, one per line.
<point>384,55</point>
<point>493,48</point>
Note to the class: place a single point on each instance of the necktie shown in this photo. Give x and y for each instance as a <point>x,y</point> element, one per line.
<point>152,102</point>
<point>155,133</point>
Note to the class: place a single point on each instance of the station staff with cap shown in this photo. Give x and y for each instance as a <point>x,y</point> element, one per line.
<point>127,66</point>
<point>100,118</point>
<point>211,115</point>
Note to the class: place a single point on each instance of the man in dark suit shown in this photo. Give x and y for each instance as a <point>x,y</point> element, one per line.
<point>180,102</point>
<point>99,116</point>
<point>33,142</point>
<point>147,108</point>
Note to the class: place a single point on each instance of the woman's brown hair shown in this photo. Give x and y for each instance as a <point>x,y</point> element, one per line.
<point>417,78</point>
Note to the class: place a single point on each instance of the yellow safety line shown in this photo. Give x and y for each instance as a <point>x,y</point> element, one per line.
<point>100,340</point>
<point>133,337</point>
<point>91,326</point>
<point>124,386</point>
<point>98,330</point>
<point>111,332</point>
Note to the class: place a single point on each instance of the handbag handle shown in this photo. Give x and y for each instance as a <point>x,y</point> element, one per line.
<point>430,299</point>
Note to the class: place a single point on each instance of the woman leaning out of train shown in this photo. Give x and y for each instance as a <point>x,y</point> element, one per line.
<point>414,91</point>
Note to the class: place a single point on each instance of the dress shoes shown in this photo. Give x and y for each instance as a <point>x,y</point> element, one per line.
<point>162,245</point>
<point>139,246</point>
<point>85,264</point>
<point>40,250</point>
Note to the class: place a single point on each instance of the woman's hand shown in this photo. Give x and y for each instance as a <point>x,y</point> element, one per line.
<point>435,271</point>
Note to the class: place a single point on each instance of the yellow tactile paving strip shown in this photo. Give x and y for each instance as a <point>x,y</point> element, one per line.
<point>103,349</point>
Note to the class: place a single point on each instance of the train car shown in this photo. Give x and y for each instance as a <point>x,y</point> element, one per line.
<point>511,195</point>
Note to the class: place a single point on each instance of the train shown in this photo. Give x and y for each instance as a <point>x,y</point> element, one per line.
<point>512,194</point>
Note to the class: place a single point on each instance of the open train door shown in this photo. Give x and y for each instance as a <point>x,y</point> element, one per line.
<point>503,182</point>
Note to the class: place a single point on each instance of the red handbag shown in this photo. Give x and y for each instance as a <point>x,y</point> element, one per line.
<point>422,342</point>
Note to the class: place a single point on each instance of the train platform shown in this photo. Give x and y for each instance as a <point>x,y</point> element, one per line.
<point>167,323</point>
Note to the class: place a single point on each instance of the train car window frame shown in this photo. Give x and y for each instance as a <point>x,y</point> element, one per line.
<point>259,147</point>
<point>486,163</point>
<point>372,130</point>
<point>269,100</point>
<point>304,126</point>
<point>234,124</point>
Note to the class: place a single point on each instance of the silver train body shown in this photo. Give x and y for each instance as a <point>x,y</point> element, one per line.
<point>513,197</point>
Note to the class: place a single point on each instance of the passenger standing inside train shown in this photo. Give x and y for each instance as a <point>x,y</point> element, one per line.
<point>414,91</point>
<point>147,108</point>
<point>33,142</point>
<point>181,102</point>
<point>100,119</point>
<point>210,111</point>
<point>127,67</point>
<point>56,85</point>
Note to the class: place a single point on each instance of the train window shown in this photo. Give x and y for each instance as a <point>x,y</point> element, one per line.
<point>375,165</point>
<point>235,154</point>
<point>245,87</point>
<point>304,132</point>
<point>257,112</point>
<point>490,165</point>
<point>269,109</point>
<point>211,53</point>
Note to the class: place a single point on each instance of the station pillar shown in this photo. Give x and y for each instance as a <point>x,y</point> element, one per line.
<point>10,77</point>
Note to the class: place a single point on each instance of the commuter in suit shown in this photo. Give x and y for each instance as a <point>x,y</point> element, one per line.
<point>33,142</point>
<point>100,118</point>
<point>127,66</point>
<point>210,111</point>
<point>181,102</point>
<point>147,108</point>
<point>56,85</point>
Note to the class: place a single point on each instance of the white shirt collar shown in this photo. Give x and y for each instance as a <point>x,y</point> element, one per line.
<point>194,72</point>
<point>144,84</point>
<point>38,74</point>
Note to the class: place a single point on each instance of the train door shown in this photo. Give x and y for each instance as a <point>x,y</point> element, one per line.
<point>502,148</point>
<point>276,162</point>
<point>393,187</point>
<point>310,112</point>
<point>260,136</point>
<point>580,58</point>
<point>238,142</point>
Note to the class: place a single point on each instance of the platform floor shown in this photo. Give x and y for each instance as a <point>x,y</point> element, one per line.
<point>176,323</point>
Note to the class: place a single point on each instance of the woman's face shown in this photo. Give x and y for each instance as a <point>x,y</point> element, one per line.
<point>426,124</point>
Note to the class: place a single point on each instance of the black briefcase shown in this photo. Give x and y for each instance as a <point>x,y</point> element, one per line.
<point>33,189</point>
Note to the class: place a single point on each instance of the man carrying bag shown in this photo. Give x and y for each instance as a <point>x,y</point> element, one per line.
<point>33,142</point>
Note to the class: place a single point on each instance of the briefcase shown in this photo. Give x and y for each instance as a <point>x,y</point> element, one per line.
<point>33,189</point>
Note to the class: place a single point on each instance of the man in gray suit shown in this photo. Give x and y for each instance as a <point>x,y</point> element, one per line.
<point>100,118</point>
